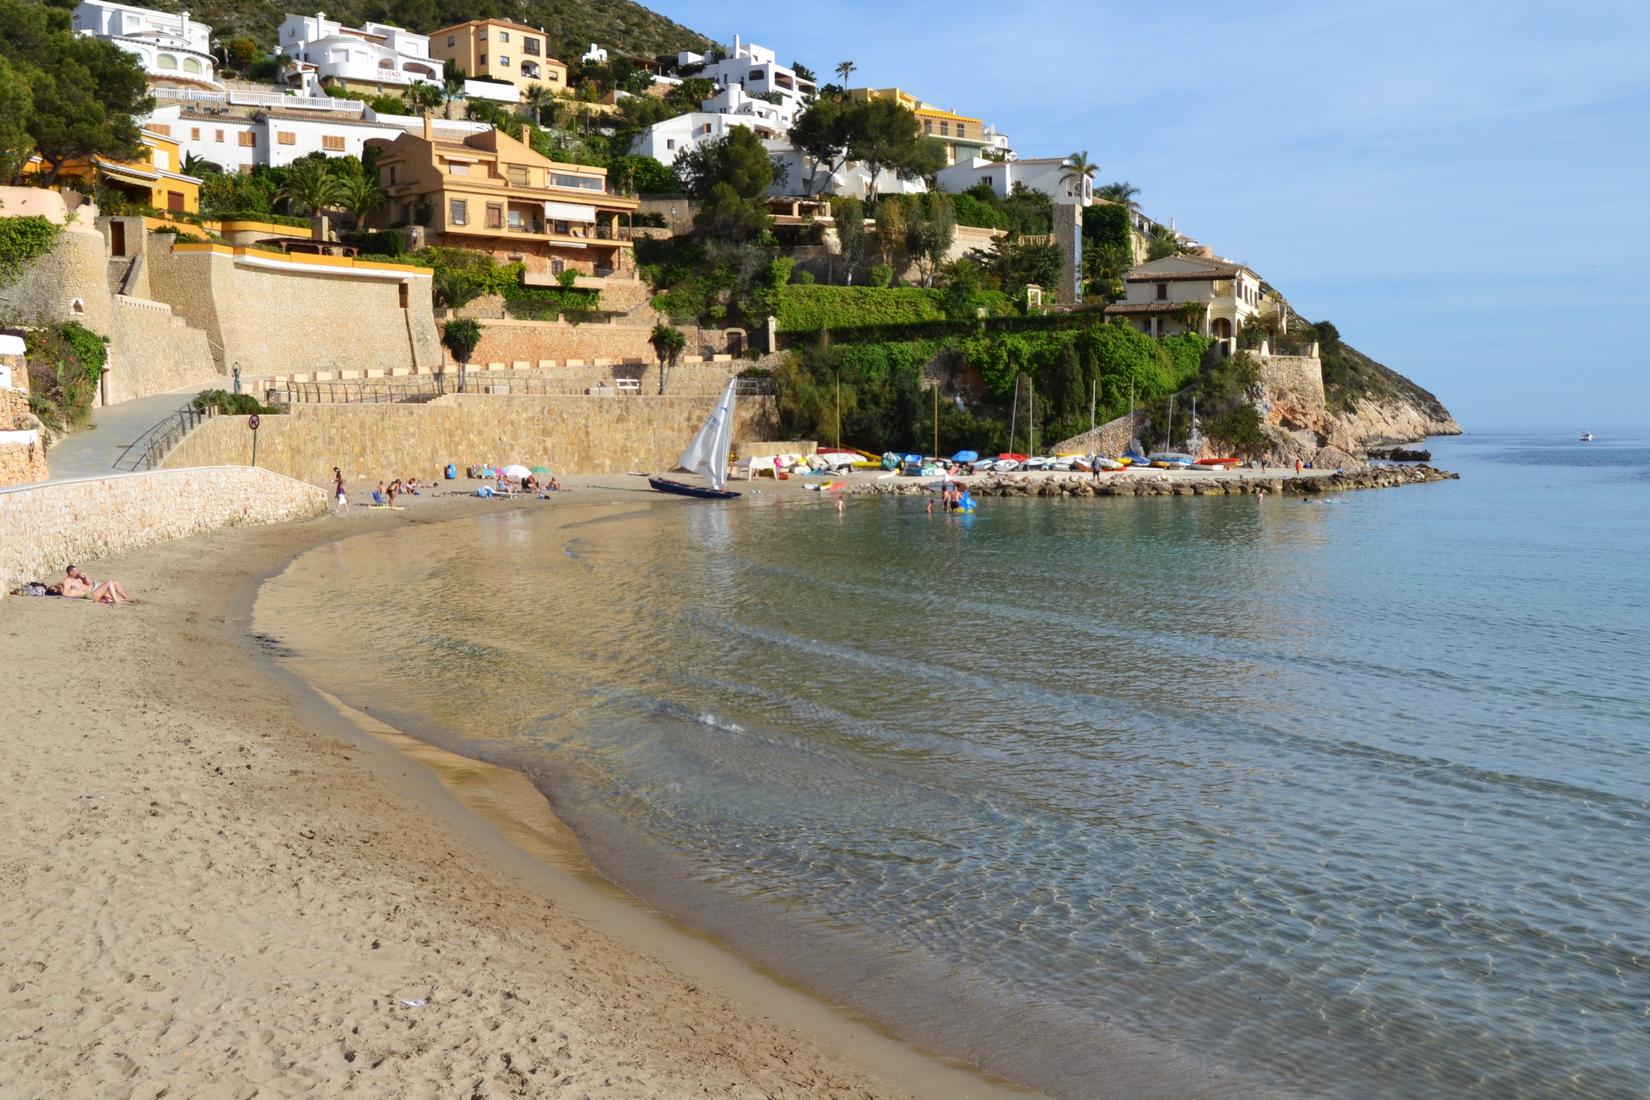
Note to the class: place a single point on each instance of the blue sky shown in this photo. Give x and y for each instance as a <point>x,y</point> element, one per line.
<point>1462,187</point>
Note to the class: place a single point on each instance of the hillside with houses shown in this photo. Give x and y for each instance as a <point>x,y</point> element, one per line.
<point>476,192</point>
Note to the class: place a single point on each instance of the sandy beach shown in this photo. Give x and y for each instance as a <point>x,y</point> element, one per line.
<point>218,886</point>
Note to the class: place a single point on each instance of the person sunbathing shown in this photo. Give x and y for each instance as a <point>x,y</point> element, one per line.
<point>77,586</point>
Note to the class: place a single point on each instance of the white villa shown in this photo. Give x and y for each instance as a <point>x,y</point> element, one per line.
<point>667,140</point>
<point>276,138</point>
<point>768,119</point>
<point>1158,294</point>
<point>1045,174</point>
<point>374,57</point>
<point>174,48</point>
<point>756,70</point>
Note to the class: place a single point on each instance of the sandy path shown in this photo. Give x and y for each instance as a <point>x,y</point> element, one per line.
<point>202,895</point>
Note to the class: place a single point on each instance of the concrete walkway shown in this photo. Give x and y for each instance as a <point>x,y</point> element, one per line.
<point>93,451</point>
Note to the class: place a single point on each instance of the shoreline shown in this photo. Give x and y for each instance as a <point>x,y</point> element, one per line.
<point>913,998</point>
<point>315,858</point>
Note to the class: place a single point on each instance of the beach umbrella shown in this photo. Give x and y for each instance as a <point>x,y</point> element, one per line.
<point>965,456</point>
<point>515,471</point>
<point>541,469</point>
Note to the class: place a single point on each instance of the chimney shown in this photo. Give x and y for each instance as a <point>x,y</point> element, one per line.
<point>429,128</point>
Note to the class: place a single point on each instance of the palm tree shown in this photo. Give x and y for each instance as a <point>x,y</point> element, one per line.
<point>845,69</point>
<point>1079,170</point>
<point>199,166</point>
<point>536,99</point>
<point>1121,192</point>
<point>452,87</point>
<point>425,96</point>
<point>310,187</point>
<point>1164,242</point>
<point>460,337</point>
<point>668,343</point>
<point>361,196</point>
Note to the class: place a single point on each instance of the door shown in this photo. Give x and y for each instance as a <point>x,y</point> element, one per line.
<point>117,238</point>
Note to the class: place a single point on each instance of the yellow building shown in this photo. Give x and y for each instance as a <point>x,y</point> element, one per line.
<point>154,179</point>
<point>500,50</point>
<point>962,135</point>
<point>493,193</point>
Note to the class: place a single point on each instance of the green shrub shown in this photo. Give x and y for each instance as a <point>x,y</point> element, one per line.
<point>879,275</point>
<point>22,241</point>
<point>232,404</point>
<point>810,308</point>
<point>66,364</point>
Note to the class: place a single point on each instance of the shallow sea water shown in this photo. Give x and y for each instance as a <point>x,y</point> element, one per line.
<point>1346,798</point>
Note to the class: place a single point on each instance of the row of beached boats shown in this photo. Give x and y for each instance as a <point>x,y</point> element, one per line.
<point>971,462</point>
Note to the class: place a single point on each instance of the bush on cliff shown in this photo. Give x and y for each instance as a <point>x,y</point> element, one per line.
<point>66,364</point>
<point>811,308</point>
<point>22,241</point>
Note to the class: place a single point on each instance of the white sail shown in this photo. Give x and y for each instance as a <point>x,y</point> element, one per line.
<point>707,455</point>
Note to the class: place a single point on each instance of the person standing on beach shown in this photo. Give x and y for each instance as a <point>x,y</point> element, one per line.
<point>339,492</point>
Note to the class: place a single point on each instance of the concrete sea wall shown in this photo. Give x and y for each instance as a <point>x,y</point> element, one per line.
<point>45,527</point>
<point>570,434</point>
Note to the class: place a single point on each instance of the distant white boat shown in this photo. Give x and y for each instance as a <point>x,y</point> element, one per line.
<point>1586,437</point>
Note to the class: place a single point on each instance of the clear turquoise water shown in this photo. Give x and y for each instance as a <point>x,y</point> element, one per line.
<point>1344,798</point>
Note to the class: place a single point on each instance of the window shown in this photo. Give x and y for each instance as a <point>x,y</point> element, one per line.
<point>286,137</point>
<point>670,143</point>
<point>458,212</point>
<point>217,135</point>
<point>1163,292</point>
<point>989,181</point>
<point>945,129</point>
<point>245,139</point>
<point>515,220</point>
<point>332,143</point>
<point>756,75</point>
<point>159,129</point>
<point>531,47</point>
<point>561,228</point>
<point>553,75</point>
<point>927,125</point>
<point>495,216</point>
<point>962,129</point>
<point>404,295</point>
<point>504,61</point>
<point>451,41</point>
<point>517,176</point>
<point>454,168</point>
<point>174,200</point>
<point>194,133</point>
<point>391,176</point>
<point>504,36</point>
<point>484,60</point>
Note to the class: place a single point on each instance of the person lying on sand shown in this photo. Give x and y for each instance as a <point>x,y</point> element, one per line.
<point>75,585</point>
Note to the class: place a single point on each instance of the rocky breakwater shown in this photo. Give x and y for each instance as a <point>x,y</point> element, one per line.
<point>1171,485</point>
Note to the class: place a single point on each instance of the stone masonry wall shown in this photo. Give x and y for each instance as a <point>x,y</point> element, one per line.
<point>150,351</point>
<point>45,527</point>
<point>277,322</point>
<point>686,379</point>
<point>571,435</point>
<point>22,455</point>
<point>1298,376</point>
<point>530,341</point>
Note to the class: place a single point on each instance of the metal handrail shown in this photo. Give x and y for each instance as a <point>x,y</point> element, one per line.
<point>357,393</point>
<point>151,448</point>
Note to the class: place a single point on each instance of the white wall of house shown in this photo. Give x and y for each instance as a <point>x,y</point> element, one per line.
<point>237,143</point>
<point>1045,174</point>
<point>756,70</point>
<point>774,118</point>
<point>375,53</point>
<point>170,46</point>
<point>668,140</point>
<point>1230,293</point>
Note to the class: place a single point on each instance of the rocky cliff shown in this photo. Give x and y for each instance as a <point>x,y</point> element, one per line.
<point>1371,405</point>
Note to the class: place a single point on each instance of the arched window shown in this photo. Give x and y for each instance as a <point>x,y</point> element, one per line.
<point>165,61</point>
<point>190,65</point>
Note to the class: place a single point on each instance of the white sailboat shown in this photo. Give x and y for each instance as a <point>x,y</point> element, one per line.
<point>707,454</point>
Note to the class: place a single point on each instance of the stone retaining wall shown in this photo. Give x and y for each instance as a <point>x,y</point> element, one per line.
<point>22,454</point>
<point>571,435</point>
<point>510,341</point>
<point>45,527</point>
